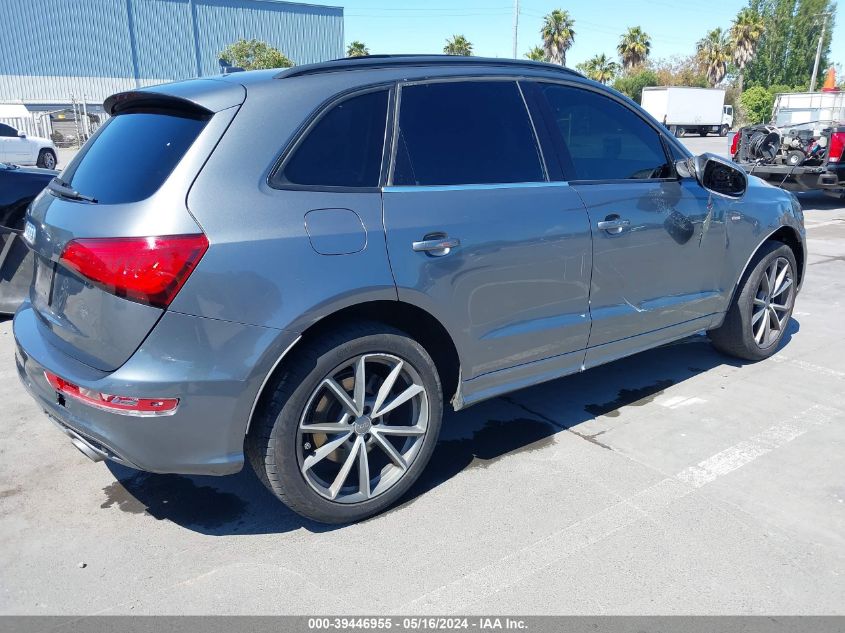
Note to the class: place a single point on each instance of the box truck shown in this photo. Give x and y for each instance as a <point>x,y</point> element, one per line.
<point>684,109</point>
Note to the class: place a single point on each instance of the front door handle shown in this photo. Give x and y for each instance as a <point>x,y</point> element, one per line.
<point>613,224</point>
<point>437,246</point>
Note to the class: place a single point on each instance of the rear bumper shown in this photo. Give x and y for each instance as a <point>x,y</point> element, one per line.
<point>830,177</point>
<point>214,367</point>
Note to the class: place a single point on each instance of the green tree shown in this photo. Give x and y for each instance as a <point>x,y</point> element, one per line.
<point>536,54</point>
<point>458,45</point>
<point>633,84</point>
<point>599,68</point>
<point>558,33</point>
<point>679,71</point>
<point>254,55</point>
<point>634,48</point>
<point>714,53</point>
<point>787,48</point>
<point>755,105</point>
<point>747,29</point>
<point>357,49</point>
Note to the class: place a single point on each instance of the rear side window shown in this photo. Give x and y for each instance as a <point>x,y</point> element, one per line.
<point>5,130</point>
<point>344,148</point>
<point>468,132</point>
<point>605,139</point>
<point>132,155</point>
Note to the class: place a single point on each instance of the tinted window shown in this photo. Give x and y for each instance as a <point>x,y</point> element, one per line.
<point>470,132</point>
<point>131,156</point>
<point>604,139</point>
<point>344,148</point>
<point>5,130</point>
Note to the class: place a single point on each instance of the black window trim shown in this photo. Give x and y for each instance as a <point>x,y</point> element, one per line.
<point>463,78</point>
<point>661,134</point>
<point>313,119</point>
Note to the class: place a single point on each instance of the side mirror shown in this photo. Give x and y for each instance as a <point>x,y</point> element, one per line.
<point>715,174</point>
<point>21,135</point>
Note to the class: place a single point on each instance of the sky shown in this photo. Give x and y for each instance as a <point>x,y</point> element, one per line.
<point>422,26</point>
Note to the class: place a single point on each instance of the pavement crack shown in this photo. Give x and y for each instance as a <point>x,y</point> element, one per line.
<point>589,438</point>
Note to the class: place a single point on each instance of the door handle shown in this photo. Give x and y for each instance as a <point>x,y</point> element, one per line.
<point>436,246</point>
<point>613,224</point>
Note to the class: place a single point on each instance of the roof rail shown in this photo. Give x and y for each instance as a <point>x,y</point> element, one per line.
<point>387,61</point>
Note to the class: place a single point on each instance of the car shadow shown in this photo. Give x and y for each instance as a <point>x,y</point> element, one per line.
<point>477,437</point>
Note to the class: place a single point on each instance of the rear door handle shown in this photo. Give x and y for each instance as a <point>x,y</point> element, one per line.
<point>437,246</point>
<point>614,225</point>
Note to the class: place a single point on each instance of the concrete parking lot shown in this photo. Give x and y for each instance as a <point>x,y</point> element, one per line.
<point>676,481</point>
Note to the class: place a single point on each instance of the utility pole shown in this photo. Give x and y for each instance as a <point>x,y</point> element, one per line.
<point>515,27</point>
<point>824,17</point>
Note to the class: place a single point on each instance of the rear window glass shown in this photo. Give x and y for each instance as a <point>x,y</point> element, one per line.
<point>132,155</point>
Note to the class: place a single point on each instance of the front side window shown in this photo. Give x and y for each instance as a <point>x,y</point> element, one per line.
<point>6,130</point>
<point>604,139</point>
<point>465,132</point>
<point>344,148</point>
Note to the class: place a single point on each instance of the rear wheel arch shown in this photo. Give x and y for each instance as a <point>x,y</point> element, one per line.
<point>416,322</point>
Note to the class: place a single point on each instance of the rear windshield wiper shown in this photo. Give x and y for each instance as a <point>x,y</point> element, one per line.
<point>60,187</point>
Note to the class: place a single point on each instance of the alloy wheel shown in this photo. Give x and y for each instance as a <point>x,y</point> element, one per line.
<point>362,428</point>
<point>772,303</point>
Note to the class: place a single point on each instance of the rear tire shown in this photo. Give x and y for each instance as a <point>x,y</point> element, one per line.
<point>762,306</point>
<point>304,465</point>
<point>46,159</point>
<point>702,132</point>
<point>723,131</point>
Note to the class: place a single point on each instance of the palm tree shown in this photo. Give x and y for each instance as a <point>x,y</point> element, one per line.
<point>747,29</point>
<point>714,53</point>
<point>537,54</point>
<point>558,34</point>
<point>458,45</point>
<point>599,68</point>
<point>634,47</point>
<point>357,49</point>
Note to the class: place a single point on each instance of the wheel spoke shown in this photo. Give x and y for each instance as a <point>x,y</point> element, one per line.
<point>775,324</point>
<point>360,385</point>
<point>784,286</point>
<point>363,470</point>
<point>324,451</point>
<point>761,329</point>
<point>759,302</point>
<point>779,306</point>
<point>781,276</point>
<point>391,451</point>
<point>401,399</point>
<point>326,427</point>
<point>387,386</point>
<point>770,280</point>
<point>344,470</point>
<point>342,396</point>
<point>386,429</point>
<point>757,316</point>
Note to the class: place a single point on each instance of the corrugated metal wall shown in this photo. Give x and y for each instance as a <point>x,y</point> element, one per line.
<point>51,49</point>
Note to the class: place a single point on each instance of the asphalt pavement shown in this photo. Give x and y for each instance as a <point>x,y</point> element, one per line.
<point>677,481</point>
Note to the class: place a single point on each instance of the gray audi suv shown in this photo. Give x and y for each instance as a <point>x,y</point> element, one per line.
<point>301,268</point>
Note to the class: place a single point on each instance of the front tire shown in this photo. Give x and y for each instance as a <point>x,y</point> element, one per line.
<point>350,425</point>
<point>46,159</point>
<point>757,318</point>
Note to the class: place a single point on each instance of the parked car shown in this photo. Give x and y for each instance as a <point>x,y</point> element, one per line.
<point>306,292</point>
<point>18,187</point>
<point>802,148</point>
<point>20,149</point>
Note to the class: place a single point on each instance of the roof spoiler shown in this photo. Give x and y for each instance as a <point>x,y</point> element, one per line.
<point>198,97</point>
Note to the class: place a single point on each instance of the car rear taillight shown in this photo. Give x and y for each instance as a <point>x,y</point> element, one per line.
<point>148,270</point>
<point>124,405</point>
<point>734,144</point>
<point>837,144</point>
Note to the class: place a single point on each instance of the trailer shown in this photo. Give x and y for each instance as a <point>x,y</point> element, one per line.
<point>685,109</point>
